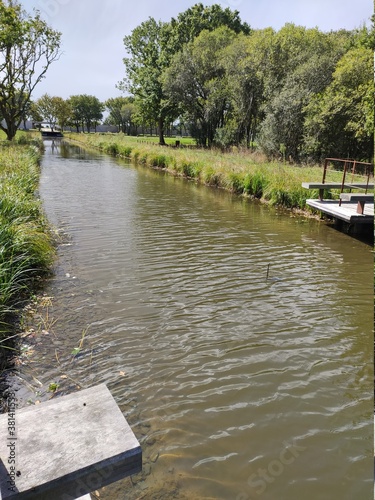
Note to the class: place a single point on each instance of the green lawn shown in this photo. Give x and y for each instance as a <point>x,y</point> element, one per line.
<point>184,141</point>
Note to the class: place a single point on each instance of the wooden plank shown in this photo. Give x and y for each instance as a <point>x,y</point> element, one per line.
<point>336,185</point>
<point>68,447</point>
<point>359,185</point>
<point>321,185</point>
<point>354,197</point>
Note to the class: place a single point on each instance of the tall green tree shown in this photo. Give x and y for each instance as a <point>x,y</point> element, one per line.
<point>151,47</point>
<point>53,110</point>
<point>340,119</point>
<point>147,46</point>
<point>196,83</point>
<point>121,113</point>
<point>190,23</point>
<point>246,60</point>
<point>87,111</point>
<point>28,46</point>
<point>302,62</point>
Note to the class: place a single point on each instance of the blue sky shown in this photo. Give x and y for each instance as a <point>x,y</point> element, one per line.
<point>93,32</point>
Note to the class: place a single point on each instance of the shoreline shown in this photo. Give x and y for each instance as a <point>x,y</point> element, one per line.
<point>27,246</point>
<point>242,174</point>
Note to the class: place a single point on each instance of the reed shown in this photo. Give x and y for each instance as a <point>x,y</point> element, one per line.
<point>241,172</point>
<point>26,244</point>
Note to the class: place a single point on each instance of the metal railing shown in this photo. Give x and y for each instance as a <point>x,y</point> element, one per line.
<point>350,166</point>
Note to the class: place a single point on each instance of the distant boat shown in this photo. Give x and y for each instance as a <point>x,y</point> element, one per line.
<point>48,132</point>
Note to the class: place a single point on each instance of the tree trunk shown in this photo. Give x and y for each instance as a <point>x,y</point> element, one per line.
<point>161,132</point>
<point>11,131</point>
<point>248,136</point>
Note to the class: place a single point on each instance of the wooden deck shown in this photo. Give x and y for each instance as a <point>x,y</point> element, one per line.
<point>66,448</point>
<point>346,212</point>
<point>355,205</point>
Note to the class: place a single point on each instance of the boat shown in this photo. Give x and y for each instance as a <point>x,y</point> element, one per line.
<point>49,132</point>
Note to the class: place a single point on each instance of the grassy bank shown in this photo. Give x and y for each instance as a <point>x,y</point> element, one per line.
<point>242,173</point>
<point>26,249</point>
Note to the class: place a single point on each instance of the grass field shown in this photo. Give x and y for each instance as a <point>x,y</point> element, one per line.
<point>171,141</point>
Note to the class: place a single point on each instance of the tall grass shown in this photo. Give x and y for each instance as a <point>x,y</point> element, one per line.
<point>241,172</point>
<point>26,247</point>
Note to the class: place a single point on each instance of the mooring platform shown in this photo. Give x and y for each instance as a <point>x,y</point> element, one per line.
<point>347,211</point>
<point>66,448</point>
<point>355,203</point>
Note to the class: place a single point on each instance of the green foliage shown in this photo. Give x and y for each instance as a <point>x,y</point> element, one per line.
<point>26,250</point>
<point>148,57</point>
<point>112,149</point>
<point>230,85</point>
<point>53,110</point>
<point>189,24</point>
<point>151,47</point>
<point>339,120</point>
<point>86,111</point>
<point>158,160</point>
<point>122,111</point>
<point>28,46</point>
<point>125,151</point>
<point>195,82</point>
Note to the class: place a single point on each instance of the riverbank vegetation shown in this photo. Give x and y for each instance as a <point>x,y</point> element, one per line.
<point>238,171</point>
<point>298,94</point>
<point>26,246</point>
<point>28,47</point>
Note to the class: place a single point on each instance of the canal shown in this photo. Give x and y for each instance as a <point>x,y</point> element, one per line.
<point>237,386</point>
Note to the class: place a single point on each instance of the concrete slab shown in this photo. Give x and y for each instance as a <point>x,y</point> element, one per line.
<point>66,448</point>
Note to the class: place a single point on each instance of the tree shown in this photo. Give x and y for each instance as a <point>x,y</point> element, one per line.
<point>121,113</point>
<point>246,61</point>
<point>35,115</point>
<point>53,110</point>
<point>196,83</point>
<point>148,59</point>
<point>151,47</point>
<point>302,62</point>
<point>27,49</point>
<point>63,111</point>
<point>340,120</point>
<point>87,111</point>
<point>193,21</point>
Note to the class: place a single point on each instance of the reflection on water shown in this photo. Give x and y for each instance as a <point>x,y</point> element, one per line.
<point>237,387</point>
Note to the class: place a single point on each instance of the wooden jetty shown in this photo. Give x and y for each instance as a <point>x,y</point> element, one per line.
<point>351,207</point>
<point>66,448</point>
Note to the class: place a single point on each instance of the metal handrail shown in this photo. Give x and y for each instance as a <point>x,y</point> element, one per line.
<point>347,164</point>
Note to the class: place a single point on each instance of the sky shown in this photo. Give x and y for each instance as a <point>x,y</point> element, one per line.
<point>93,30</point>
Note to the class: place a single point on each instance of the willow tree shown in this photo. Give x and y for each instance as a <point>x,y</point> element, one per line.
<point>28,46</point>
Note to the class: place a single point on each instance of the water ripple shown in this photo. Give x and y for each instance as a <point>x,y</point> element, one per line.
<point>218,370</point>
